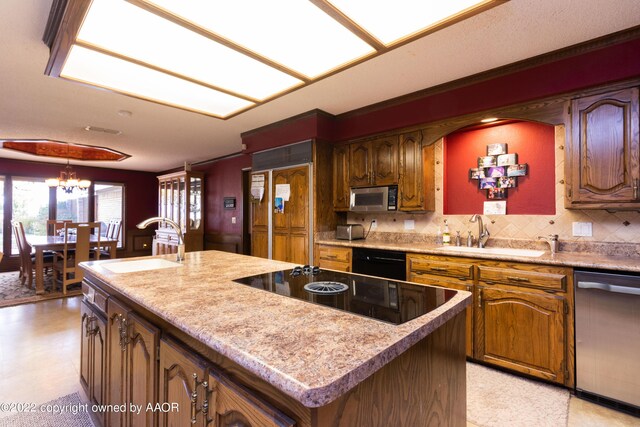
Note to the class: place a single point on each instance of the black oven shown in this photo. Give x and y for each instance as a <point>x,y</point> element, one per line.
<point>380,263</point>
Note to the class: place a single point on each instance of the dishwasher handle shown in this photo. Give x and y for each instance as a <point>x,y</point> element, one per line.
<point>609,288</point>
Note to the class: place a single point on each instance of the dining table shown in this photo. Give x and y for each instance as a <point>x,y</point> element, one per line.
<point>56,243</point>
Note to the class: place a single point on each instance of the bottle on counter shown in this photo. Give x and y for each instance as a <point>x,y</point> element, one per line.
<point>446,234</point>
<point>439,236</point>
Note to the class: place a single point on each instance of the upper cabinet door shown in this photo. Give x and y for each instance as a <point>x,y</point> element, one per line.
<point>341,178</point>
<point>385,160</point>
<point>603,151</point>
<point>360,164</point>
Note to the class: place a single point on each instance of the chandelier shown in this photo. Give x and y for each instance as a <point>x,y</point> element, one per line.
<point>68,181</point>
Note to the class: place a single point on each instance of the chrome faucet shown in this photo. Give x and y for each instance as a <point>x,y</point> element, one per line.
<point>176,227</point>
<point>483,232</point>
<point>552,240</point>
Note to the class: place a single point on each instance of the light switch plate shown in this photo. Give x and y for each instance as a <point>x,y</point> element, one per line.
<point>582,229</point>
<point>409,224</point>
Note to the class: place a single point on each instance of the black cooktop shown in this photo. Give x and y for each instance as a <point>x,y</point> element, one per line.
<point>390,301</point>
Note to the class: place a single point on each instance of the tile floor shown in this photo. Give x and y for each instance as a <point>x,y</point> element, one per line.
<point>40,360</point>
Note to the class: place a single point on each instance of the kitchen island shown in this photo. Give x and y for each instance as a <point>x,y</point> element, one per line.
<point>293,362</point>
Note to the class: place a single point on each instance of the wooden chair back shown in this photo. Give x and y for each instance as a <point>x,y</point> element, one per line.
<point>77,248</point>
<point>55,225</point>
<point>114,231</point>
<point>24,253</point>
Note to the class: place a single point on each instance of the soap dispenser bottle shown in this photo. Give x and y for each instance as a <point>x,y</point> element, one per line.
<point>446,235</point>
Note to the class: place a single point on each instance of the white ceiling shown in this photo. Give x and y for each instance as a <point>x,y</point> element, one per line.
<point>34,106</point>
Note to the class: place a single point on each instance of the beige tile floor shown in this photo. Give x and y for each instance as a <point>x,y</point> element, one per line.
<point>40,358</point>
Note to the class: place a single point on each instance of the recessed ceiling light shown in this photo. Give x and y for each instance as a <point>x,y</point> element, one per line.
<point>489,120</point>
<point>125,113</point>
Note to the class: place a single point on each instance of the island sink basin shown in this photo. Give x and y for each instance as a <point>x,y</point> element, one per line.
<point>139,265</point>
<point>493,251</point>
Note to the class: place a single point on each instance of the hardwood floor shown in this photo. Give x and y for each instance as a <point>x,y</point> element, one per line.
<point>40,360</point>
<point>39,351</point>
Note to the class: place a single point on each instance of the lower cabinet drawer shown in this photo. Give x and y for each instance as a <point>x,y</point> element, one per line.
<point>553,278</point>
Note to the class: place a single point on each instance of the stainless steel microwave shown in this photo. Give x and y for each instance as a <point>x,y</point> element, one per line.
<point>374,199</point>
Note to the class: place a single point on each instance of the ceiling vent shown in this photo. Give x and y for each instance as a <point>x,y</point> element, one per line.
<point>103,130</point>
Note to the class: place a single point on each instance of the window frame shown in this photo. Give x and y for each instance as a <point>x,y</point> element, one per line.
<point>7,214</point>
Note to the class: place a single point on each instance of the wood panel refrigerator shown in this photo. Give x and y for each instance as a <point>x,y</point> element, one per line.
<point>281,220</point>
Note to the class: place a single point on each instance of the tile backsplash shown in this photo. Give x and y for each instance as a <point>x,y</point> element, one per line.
<point>614,227</point>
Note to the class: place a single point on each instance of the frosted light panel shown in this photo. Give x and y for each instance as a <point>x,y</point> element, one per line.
<point>293,33</point>
<point>159,42</point>
<point>391,21</point>
<point>88,66</point>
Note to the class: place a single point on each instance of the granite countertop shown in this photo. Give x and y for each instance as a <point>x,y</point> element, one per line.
<point>310,352</point>
<point>567,259</point>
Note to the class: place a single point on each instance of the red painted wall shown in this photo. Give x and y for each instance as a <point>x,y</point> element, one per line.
<point>614,63</point>
<point>141,191</point>
<point>534,144</point>
<point>224,179</point>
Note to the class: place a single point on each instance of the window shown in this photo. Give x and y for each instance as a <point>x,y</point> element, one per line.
<point>30,205</point>
<point>109,206</point>
<point>72,206</point>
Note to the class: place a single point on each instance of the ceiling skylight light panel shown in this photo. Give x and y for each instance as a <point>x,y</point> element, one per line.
<point>148,38</point>
<point>94,68</point>
<point>392,21</point>
<point>292,33</point>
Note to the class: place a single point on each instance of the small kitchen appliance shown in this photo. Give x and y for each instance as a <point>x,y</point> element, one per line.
<point>350,232</point>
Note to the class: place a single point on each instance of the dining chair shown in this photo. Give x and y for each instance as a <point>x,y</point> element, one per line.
<point>113,233</point>
<point>27,258</point>
<point>55,225</point>
<point>77,239</point>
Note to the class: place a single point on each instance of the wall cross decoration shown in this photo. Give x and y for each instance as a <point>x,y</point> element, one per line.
<point>498,171</point>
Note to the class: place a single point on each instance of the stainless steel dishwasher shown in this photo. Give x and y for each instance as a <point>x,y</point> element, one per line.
<point>608,338</point>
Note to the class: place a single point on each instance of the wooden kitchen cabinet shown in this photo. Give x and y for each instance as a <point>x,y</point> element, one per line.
<point>92,353</point>
<point>341,178</point>
<point>522,331</point>
<point>334,257</point>
<point>181,199</point>
<point>524,320</point>
<point>236,406</point>
<point>179,371</point>
<point>603,152</point>
<point>448,273</point>
<point>522,315</point>
<point>205,397</point>
<point>417,175</point>
<point>132,370</point>
<point>374,162</point>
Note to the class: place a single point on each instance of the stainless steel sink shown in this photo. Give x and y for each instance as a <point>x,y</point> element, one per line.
<point>493,251</point>
<point>139,265</point>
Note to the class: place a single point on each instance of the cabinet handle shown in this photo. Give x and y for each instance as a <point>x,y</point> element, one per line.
<point>87,327</point>
<point>123,329</point>
<point>518,279</point>
<point>635,188</point>
<point>480,299</point>
<point>194,399</point>
<point>331,256</point>
<point>437,269</point>
<point>205,402</point>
